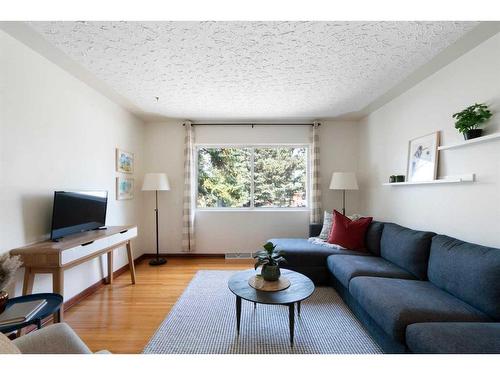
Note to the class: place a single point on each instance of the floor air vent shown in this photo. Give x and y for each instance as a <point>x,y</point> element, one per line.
<point>233,256</point>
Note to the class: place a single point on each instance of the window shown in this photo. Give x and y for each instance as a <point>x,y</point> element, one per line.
<point>224,177</point>
<point>252,177</point>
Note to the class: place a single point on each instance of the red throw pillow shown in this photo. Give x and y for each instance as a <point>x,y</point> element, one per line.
<point>349,234</point>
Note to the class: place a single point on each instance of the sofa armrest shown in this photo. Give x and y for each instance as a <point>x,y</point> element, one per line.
<point>55,339</point>
<point>315,229</point>
<point>453,338</point>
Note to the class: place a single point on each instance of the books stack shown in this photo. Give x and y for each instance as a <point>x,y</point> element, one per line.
<point>21,312</point>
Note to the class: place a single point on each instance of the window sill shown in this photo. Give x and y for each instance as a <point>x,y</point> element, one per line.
<point>304,209</point>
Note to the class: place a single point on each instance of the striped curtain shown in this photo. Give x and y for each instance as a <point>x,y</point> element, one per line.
<point>315,176</point>
<point>188,239</point>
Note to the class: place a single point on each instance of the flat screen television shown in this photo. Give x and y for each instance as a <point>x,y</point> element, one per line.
<point>77,211</point>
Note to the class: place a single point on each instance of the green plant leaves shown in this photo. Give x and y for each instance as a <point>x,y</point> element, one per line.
<point>269,246</point>
<point>269,255</point>
<point>261,262</point>
<point>471,117</point>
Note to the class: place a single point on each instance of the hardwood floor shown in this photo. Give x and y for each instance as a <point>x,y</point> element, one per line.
<point>122,317</point>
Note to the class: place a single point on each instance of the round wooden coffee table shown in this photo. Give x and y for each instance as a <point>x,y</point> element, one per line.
<point>301,287</point>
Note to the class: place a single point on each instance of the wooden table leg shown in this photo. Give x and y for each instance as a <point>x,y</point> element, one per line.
<point>58,287</point>
<point>131,262</point>
<point>291,318</point>
<point>238,314</point>
<point>29,278</point>
<point>110,267</point>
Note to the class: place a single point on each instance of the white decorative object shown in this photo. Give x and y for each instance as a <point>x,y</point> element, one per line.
<point>423,158</point>
<point>343,181</point>
<point>8,267</point>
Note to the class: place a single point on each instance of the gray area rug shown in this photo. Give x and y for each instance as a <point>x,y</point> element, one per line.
<point>203,321</point>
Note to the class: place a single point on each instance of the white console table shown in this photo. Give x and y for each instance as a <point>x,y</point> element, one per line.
<point>56,257</point>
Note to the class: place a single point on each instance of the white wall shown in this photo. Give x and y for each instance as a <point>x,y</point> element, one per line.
<point>469,211</point>
<point>57,133</point>
<point>234,231</point>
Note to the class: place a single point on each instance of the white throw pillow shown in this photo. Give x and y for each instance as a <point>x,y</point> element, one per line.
<point>327,225</point>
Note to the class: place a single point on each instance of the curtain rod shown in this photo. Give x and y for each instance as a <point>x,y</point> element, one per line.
<point>252,124</point>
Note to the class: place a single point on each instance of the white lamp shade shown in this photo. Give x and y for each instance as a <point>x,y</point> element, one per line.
<point>155,181</point>
<point>344,181</point>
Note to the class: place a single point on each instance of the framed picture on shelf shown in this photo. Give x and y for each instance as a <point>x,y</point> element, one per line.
<point>124,188</point>
<point>124,161</point>
<point>423,158</point>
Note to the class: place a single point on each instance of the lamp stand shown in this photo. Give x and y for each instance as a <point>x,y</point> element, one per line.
<point>157,261</point>
<point>343,202</point>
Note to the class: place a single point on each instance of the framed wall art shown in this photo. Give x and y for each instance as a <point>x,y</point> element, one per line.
<point>124,161</point>
<point>423,158</point>
<point>124,188</point>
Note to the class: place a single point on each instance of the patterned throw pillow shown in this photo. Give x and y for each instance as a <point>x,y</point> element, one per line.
<point>327,225</point>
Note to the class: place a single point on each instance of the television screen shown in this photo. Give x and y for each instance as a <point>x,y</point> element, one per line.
<point>77,211</point>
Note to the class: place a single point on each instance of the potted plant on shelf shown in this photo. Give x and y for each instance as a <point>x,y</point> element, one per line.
<point>8,268</point>
<point>269,259</point>
<point>469,120</point>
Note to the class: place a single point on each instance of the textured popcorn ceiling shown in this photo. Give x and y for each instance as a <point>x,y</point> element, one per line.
<point>251,70</point>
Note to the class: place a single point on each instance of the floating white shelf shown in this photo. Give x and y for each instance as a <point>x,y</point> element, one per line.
<point>445,180</point>
<point>484,138</point>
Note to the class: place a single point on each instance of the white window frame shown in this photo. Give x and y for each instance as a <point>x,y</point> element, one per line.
<point>252,207</point>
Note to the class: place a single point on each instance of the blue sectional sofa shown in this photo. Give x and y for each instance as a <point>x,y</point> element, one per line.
<point>414,291</point>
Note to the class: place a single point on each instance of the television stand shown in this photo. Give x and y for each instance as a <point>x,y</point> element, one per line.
<point>59,239</point>
<point>56,257</point>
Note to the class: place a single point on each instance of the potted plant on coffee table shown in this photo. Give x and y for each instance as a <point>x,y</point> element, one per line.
<point>269,259</point>
<point>469,120</point>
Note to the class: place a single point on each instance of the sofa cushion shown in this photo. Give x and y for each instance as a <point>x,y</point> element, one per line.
<point>454,338</point>
<point>319,275</point>
<point>407,248</point>
<point>394,304</point>
<point>468,271</point>
<point>300,251</point>
<point>373,236</point>
<point>346,267</point>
